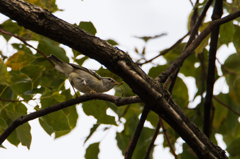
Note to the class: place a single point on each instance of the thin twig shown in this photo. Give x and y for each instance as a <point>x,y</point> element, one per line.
<point>10,100</point>
<point>24,41</point>
<point>165,51</point>
<point>150,146</point>
<point>167,137</point>
<point>129,152</point>
<point>225,105</point>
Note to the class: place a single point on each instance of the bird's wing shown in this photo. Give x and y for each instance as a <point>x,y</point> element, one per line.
<point>86,70</point>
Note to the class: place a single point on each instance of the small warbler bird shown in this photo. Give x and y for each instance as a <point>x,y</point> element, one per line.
<point>83,79</point>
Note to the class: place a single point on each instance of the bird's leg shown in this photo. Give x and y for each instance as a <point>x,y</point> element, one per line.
<point>73,89</point>
<point>85,84</point>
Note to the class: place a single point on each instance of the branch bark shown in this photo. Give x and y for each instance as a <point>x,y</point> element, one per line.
<point>23,119</point>
<point>149,90</point>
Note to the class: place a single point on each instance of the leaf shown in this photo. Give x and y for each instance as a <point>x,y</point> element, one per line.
<point>82,60</point>
<point>58,97</point>
<point>92,151</point>
<point>11,27</point>
<point>97,108</point>
<point>112,42</point>
<point>52,47</point>
<point>226,32</point>
<point>233,147</point>
<point>33,71</point>
<point>4,75</point>
<point>24,134</point>
<point>49,129</point>
<point>232,64</point>
<point>155,71</point>
<point>180,93</point>
<point>93,129</point>
<point>236,39</point>
<point>88,26</point>
<point>35,91</point>
<point>19,60</point>
<point>146,38</point>
<point>3,125</point>
<point>18,77</point>
<point>204,43</point>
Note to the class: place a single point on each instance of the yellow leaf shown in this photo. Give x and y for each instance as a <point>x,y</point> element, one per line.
<point>19,60</point>
<point>4,74</point>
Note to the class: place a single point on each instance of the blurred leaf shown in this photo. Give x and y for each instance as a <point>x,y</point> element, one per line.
<point>35,91</point>
<point>11,27</point>
<point>93,129</point>
<point>3,125</point>
<point>81,60</point>
<point>49,46</point>
<point>19,60</point>
<point>33,71</point>
<point>88,26</point>
<point>146,38</point>
<point>92,151</point>
<point>180,93</point>
<point>236,39</point>
<point>58,97</point>
<point>153,118</point>
<point>155,71</point>
<point>18,77</point>
<point>187,153</point>
<point>22,47</point>
<point>233,147</point>
<point>112,42</point>
<point>226,32</point>
<point>232,64</point>
<point>4,75</point>
<point>204,43</point>
<point>49,5</point>
<point>43,122</point>
<point>24,134</point>
<point>97,108</point>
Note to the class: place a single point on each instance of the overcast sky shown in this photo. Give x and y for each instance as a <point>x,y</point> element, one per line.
<point>119,20</point>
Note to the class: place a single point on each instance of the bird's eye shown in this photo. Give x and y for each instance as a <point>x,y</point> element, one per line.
<point>109,79</point>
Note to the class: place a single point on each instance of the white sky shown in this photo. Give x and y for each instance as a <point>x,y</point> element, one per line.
<point>119,20</point>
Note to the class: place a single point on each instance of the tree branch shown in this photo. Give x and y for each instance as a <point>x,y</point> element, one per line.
<point>207,120</point>
<point>137,133</point>
<point>179,61</point>
<point>149,90</point>
<point>23,119</point>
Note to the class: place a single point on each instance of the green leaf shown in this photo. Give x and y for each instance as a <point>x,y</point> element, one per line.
<point>19,60</point>
<point>58,97</point>
<point>88,26</point>
<point>236,39</point>
<point>232,64</point>
<point>204,43</point>
<point>152,118</point>
<point>155,71</point>
<point>11,27</point>
<point>233,147</point>
<point>93,129</point>
<point>33,71</point>
<point>112,42</point>
<point>226,32</point>
<point>43,122</point>
<point>3,125</point>
<point>35,91</point>
<point>70,112</point>
<point>22,47</point>
<point>220,112</point>
<point>49,5</point>
<point>18,77</point>
<point>24,134</point>
<point>49,46</point>
<point>97,108</point>
<point>180,93</point>
<point>92,151</point>
<point>4,75</point>
<point>82,60</point>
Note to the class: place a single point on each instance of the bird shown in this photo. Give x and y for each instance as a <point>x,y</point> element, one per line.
<point>83,79</point>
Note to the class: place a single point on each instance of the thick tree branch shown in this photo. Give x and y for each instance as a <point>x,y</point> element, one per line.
<point>23,119</point>
<point>207,120</point>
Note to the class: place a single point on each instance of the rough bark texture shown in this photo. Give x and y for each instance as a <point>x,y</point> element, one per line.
<point>149,90</point>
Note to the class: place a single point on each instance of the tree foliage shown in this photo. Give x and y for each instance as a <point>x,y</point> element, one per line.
<point>31,75</point>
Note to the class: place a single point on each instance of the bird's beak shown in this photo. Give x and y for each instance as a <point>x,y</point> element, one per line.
<point>116,83</point>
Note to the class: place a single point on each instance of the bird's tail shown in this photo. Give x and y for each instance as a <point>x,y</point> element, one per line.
<point>56,60</point>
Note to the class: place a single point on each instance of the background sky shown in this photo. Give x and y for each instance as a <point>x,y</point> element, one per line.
<point>119,20</point>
